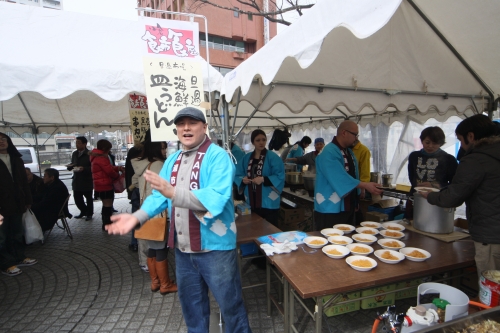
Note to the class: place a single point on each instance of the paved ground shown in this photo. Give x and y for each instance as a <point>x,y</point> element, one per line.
<point>93,283</point>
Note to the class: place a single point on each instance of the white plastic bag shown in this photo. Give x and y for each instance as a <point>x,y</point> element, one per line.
<point>32,230</point>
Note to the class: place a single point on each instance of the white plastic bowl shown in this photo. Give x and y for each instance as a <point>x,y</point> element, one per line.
<point>344,250</point>
<point>326,232</point>
<point>367,231</point>
<point>336,239</point>
<point>386,226</point>
<point>309,239</point>
<point>371,224</point>
<point>346,228</point>
<point>352,248</point>
<point>379,254</point>
<point>385,234</point>
<point>407,250</point>
<point>359,238</point>
<point>350,259</point>
<point>383,241</point>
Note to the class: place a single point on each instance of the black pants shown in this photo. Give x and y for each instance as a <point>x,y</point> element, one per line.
<point>270,215</point>
<point>11,241</point>
<point>88,208</point>
<point>327,220</point>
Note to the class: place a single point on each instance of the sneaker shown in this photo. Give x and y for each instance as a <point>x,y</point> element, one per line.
<point>144,268</point>
<point>27,262</point>
<point>12,271</point>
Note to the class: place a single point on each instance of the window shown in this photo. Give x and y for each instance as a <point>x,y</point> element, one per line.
<point>250,17</point>
<point>26,156</point>
<point>236,12</point>
<point>220,43</point>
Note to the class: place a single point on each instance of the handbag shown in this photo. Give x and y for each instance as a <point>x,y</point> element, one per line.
<point>154,229</point>
<point>119,183</point>
<point>32,230</point>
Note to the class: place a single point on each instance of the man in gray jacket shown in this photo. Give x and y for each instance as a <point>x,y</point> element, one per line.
<point>477,183</point>
<point>309,158</point>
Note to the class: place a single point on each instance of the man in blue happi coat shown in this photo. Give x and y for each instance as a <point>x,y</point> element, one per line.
<point>195,186</point>
<point>337,185</point>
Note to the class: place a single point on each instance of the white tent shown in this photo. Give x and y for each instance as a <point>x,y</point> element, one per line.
<point>66,71</point>
<point>382,60</point>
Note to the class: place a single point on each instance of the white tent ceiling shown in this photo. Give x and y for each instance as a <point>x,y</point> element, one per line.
<point>71,70</point>
<point>378,59</point>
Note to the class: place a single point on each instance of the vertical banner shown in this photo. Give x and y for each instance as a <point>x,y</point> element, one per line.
<point>173,77</point>
<point>139,116</point>
<point>171,86</point>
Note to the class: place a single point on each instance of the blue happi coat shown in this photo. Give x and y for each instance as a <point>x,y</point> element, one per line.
<point>237,153</point>
<point>333,182</point>
<point>217,226</point>
<point>274,169</point>
<point>296,151</point>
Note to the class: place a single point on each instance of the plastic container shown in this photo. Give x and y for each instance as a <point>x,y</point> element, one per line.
<point>489,289</point>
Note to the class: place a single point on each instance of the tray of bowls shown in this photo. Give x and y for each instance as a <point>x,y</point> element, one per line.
<point>356,247</point>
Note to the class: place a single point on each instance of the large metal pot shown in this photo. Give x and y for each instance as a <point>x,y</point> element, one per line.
<point>431,218</point>
<point>294,178</point>
<point>309,180</point>
<point>290,167</point>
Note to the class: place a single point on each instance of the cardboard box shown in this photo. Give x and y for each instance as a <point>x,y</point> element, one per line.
<point>291,218</point>
<point>243,209</point>
<point>342,308</point>
<point>462,223</point>
<point>376,217</point>
<point>408,293</point>
<point>378,300</point>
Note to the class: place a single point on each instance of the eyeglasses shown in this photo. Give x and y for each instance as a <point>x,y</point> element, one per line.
<point>3,139</point>
<point>355,134</point>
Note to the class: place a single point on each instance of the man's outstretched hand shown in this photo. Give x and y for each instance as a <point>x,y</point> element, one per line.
<point>122,224</point>
<point>159,184</point>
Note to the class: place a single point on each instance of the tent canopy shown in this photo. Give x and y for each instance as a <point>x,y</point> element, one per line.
<point>68,71</point>
<point>374,61</point>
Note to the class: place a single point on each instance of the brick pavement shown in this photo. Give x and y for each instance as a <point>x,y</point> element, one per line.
<point>93,283</point>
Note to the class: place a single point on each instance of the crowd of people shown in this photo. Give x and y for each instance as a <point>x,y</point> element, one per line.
<point>194,187</point>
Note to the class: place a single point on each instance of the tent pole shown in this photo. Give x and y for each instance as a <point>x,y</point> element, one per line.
<point>34,131</point>
<point>255,110</point>
<point>235,111</point>
<point>458,55</point>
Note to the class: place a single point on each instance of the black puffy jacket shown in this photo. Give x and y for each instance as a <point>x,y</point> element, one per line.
<point>477,183</point>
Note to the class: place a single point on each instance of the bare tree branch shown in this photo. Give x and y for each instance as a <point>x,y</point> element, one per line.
<point>273,15</point>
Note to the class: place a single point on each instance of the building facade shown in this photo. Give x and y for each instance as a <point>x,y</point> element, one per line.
<point>232,37</point>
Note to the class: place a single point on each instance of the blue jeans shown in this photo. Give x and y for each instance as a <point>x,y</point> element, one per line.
<point>217,271</point>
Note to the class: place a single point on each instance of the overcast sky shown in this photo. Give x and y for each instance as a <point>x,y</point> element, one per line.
<point>124,9</point>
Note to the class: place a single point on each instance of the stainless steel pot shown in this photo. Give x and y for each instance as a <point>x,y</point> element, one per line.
<point>376,177</point>
<point>294,178</point>
<point>309,180</point>
<point>289,167</point>
<point>431,218</point>
<point>387,180</point>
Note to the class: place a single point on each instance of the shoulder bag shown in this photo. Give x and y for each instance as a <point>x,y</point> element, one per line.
<point>154,229</point>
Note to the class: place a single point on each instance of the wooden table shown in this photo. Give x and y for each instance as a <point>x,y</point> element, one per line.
<point>248,228</point>
<point>316,275</point>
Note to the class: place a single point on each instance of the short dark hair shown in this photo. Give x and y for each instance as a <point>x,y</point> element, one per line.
<point>104,145</point>
<point>479,124</point>
<point>305,141</point>
<point>52,173</point>
<point>255,133</point>
<point>434,133</point>
<point>82,139</point>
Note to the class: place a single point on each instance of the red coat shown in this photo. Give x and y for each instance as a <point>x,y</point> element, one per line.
<point>103,173</point>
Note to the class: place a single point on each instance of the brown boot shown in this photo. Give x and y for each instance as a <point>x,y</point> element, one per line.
<point>155,281</point>
<point>166,285</point>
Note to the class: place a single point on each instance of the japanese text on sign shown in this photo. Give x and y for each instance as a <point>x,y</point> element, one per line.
<point>171,85</point>
<point>139,117</point>
<point>167,41</point>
